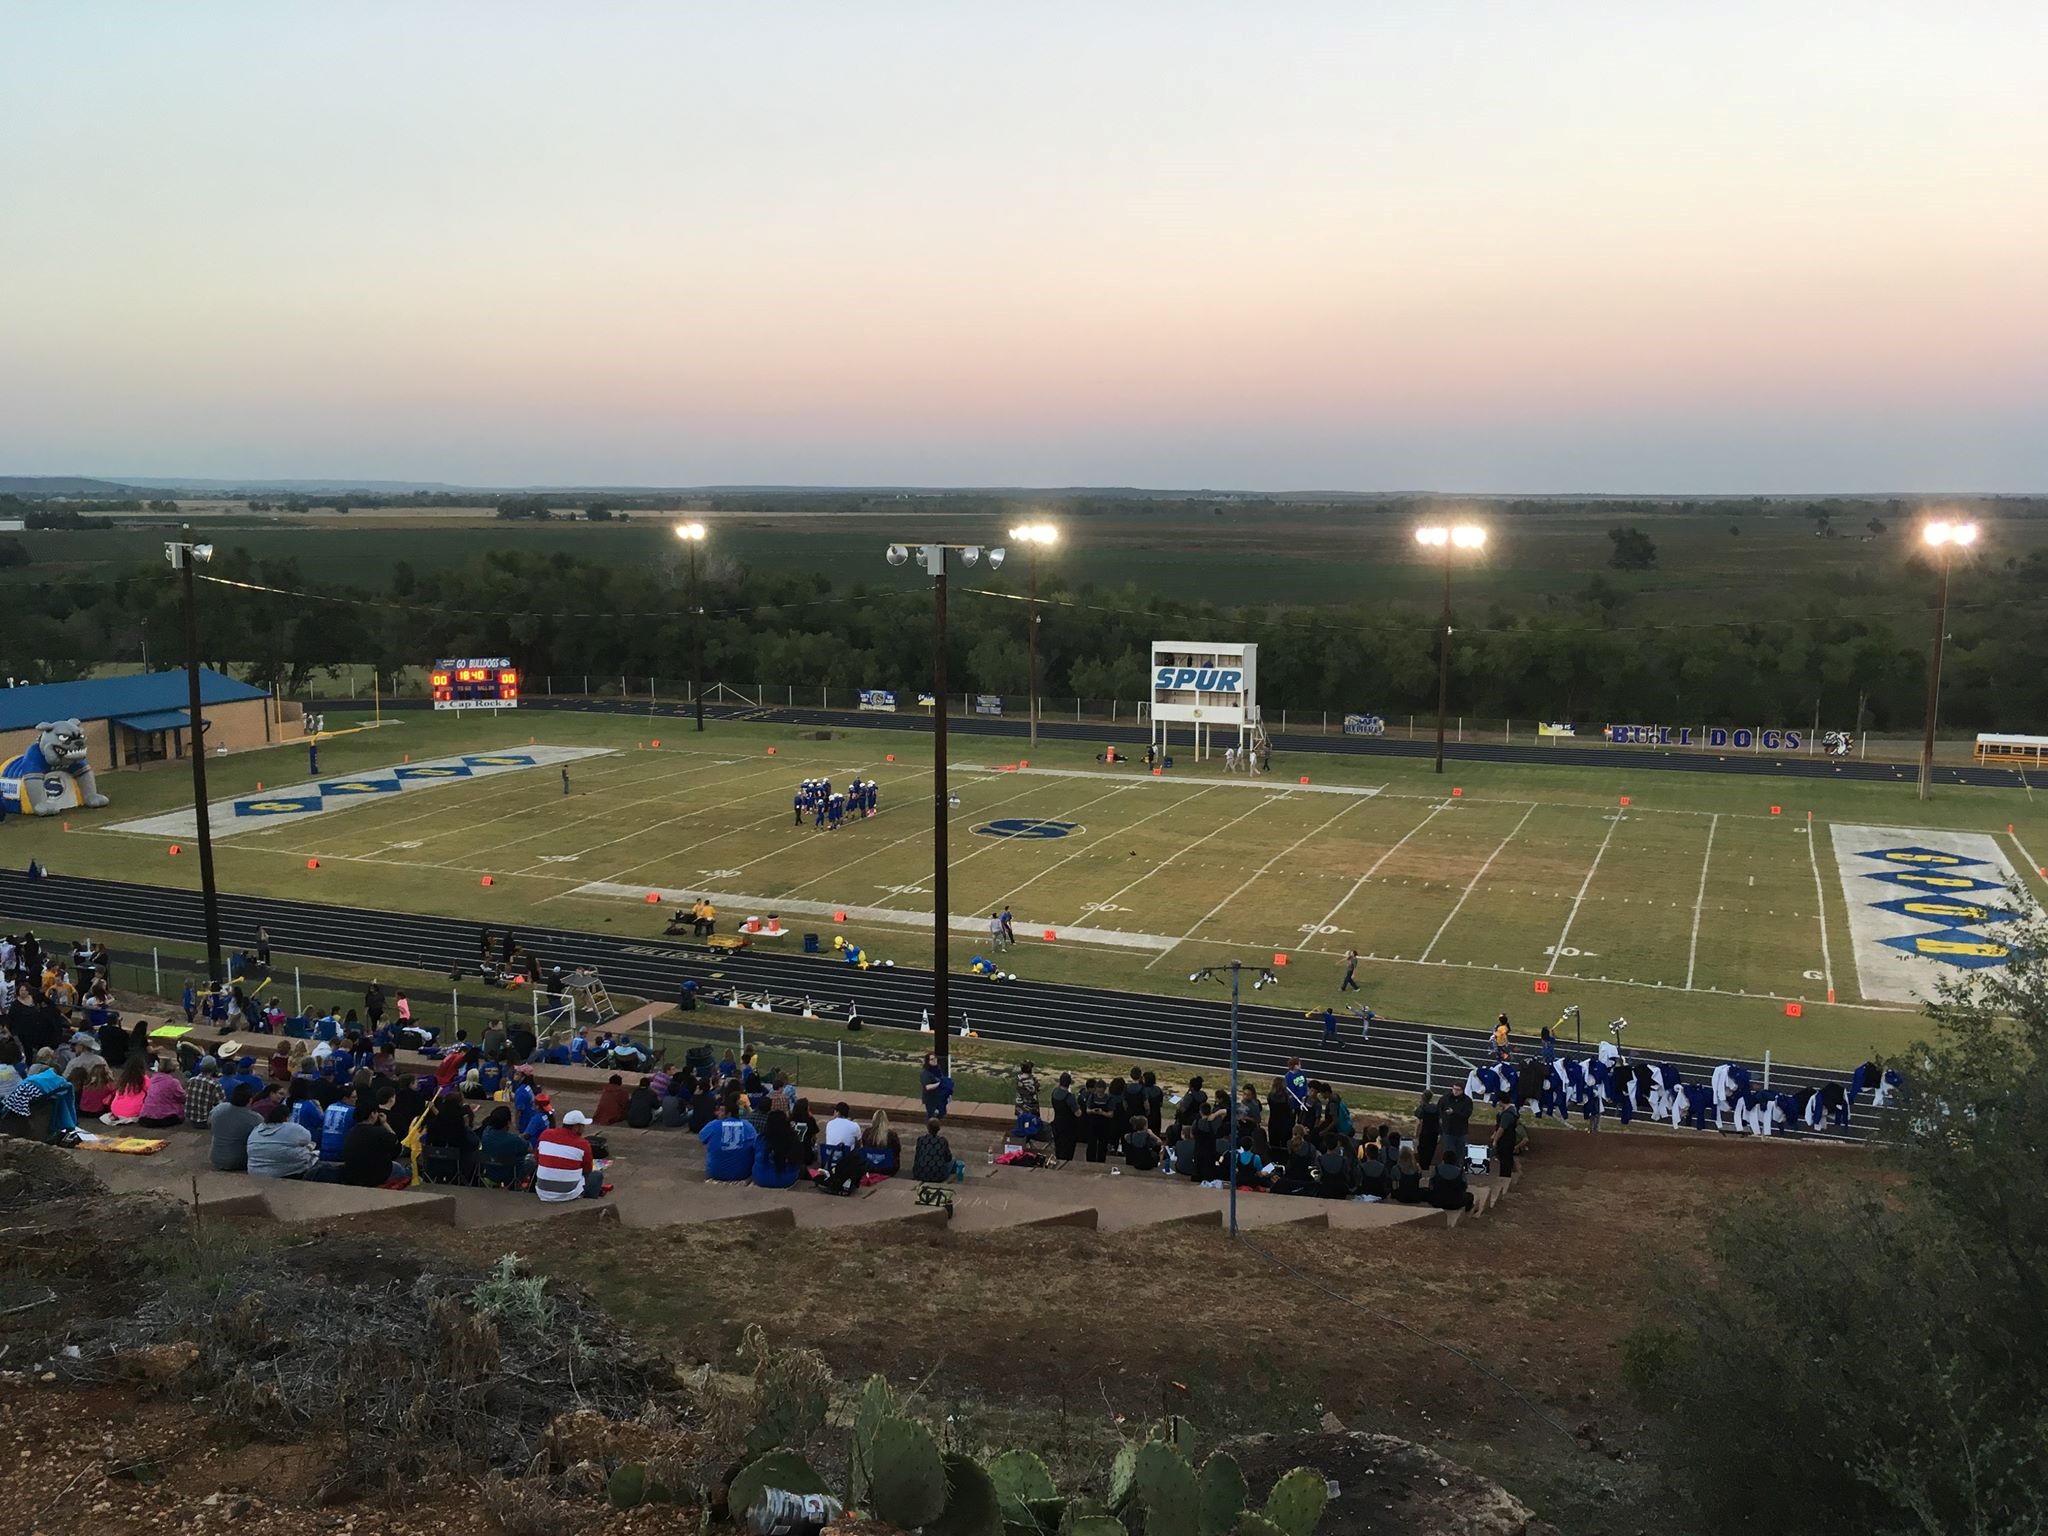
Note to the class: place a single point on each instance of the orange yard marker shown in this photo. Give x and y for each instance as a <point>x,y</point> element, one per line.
<point>1280,957</point>
<point>654,898</point>
<point>312,863</point>
<point>1776,809</point>
<point>486,881</point>
<point>1542,985</point>
<point>1457,794</point>
<point>1624,799</point>
<point>657,741</point>
<point>174,850</point>
<point>1793,1010</point>
<point>889,757</point>
<point>1050,935</point>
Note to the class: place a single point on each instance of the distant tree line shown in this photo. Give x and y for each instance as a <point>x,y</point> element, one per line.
<point>1591,659</point>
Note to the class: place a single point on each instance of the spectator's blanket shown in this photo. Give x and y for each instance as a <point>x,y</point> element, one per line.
<point>169,1031</point>
<point>134,1146</point>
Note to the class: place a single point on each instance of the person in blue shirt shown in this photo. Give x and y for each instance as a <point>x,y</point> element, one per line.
<point>936,1087</point>
<point>1295,1081</point>
<point>336,1123</point>
<point>190,1002</point>
<point>1329,1026</point>
<point>799,803</point>
<point>729,1145</point>
<point>778,1155</point>
<point>245,1072</point>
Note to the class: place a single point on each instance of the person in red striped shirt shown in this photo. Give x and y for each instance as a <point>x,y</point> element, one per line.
<point>566,1164</point>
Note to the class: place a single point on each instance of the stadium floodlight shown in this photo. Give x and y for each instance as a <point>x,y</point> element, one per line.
<point>1035,533</point>
<point>1465,536</point>
<point>970,554</point>
<point>1942,537</point>
<point>897,554</point>
<point>690,533</point>
<point>202,553</point>
<point>996,556</point>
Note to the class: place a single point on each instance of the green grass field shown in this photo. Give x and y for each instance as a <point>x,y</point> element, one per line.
<point>1463,903</point>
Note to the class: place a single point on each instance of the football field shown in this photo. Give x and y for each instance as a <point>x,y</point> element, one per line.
<point>1692,909</point>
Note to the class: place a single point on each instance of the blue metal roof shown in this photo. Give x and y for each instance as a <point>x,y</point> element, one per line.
<point>102,698</point>
<point>159,720</point>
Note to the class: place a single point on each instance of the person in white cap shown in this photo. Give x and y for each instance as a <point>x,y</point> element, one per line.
<point>566,1164</point>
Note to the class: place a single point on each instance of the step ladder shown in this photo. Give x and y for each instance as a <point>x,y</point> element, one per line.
<point>588,990</point>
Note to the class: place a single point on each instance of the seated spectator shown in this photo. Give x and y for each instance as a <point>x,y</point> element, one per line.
<point>126,1106</point>
<point>805,1124</point>
<point>163,1098</point>
<point>202,1092</point>
<point>841,1132</point>
<point>674,1111</point>
<point>1373,1177</point>
<point>565,1165</point>
<point>231,1124</point>
<point>336,1121</point>
<point>281,1148</point>
<point>44,1083</point>
<point>880,1147</point>
<point>931,1160</point>
<point>371,1156</point>
<point>729,1143</point>
<point>447,1144</point>
<point>613,1101</point>
<point>85,1055</point>
<point>1141,1147</point>
<point>1447,1189</point>
<point>245,1072</point>
<point>1407,1177</point>
<point>777,1157</point>
<point>1333,1169</point>
<point>502,1154</point>
<point>94,1087</point>
<point>642,1105</point>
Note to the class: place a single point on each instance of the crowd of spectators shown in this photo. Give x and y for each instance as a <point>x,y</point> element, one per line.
<point>1299,1138</point>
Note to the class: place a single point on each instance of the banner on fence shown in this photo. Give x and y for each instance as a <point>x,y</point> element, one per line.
<point>1364,725</point>
<point>877,698</point>
<point>1557,728</point>
<point>926,701</point>
<point>988,703</point>
<point>1739,738</point>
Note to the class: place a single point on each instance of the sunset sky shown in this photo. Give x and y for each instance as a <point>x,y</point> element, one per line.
<point>1368,246</point>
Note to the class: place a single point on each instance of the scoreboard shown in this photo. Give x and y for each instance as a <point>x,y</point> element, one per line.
<point>475,682</point>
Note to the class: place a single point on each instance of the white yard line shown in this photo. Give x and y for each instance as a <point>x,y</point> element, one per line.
<point>1557,949</point>
<point>1272,786</point>
<point>1262,869</point>
<point>1692,956</point>
<point>2031,864</point>
<point>1181,853</point>
<point>1359,884</point>
<point>1471,885</point>
<point>1820,901</point>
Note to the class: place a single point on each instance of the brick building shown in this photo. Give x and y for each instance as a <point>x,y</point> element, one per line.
<point>140,719</point>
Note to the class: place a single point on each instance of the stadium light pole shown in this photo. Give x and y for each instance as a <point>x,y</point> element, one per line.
<point>1266,978</point>
<point>692,534</point>
<point>183,554</point>
<point>1034,537</point>
<point>1944,539</point>
<point>933,558</point>
<point>1459,536</point>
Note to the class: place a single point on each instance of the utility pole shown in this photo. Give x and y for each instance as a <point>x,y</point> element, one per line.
<point>182,555</point>
<point>935,560</point>
<point>692,534</point>
<point>1034,536</point>
<point>1462,536</point>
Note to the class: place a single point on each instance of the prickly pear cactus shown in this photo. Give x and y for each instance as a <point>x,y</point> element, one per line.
<point>1221,1495</point>
<point>1251,1523</point>
<point>972,1508</point>
<point>786,1420</point>
<point>627,1486</point>
<point>875,1403</point>
<point>906,1477</point>
<point>1097,1525</point>
<point>1122,1472</point>
<point>1164,1485</point>
<point>1022,1480</point>
<point>1296,1502</point>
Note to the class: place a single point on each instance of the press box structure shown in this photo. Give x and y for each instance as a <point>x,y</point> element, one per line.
<point>1209,687</point>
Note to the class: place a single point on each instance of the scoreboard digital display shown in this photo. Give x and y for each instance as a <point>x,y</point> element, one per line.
<point>475,682</point>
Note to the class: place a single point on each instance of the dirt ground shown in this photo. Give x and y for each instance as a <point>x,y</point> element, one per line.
<point>1059,1339</point>
<point>1054,1337</point>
